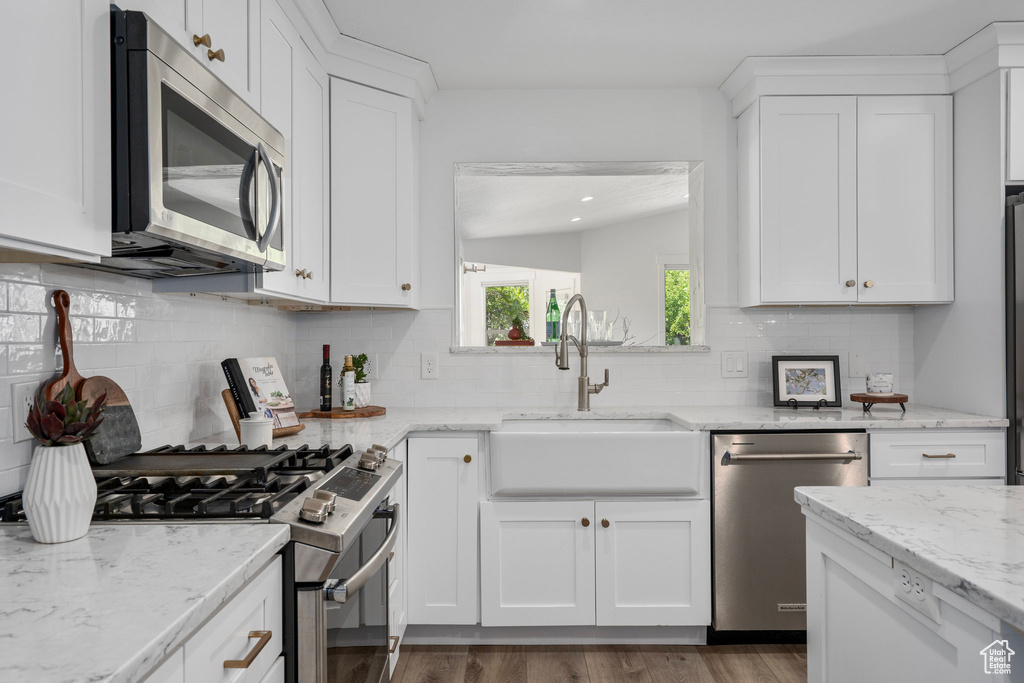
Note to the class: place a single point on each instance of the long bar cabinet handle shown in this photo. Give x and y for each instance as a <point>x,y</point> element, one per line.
<point>394,644</point>
<point>944,455</point>
<point>264,638</point>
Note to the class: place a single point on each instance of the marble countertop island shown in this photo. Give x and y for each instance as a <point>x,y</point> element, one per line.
<point>969,539</point>
<point>387,430</point>
<point>111,605</point>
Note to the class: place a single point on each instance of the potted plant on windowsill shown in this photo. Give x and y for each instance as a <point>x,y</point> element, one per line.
<point>60,492</point>
<point>363,393</point>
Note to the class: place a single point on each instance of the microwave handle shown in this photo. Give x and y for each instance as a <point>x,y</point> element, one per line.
<point>245,196</point>
<point>341,591</point>
<point>275,199</point>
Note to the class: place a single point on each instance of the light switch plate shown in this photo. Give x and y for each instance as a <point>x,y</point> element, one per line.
<point>734,363</point>
<point>858,364</point>
<point>22,396</point>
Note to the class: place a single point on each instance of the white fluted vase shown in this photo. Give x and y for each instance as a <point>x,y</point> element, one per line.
<point>363,394</point>
<point>60,493</point>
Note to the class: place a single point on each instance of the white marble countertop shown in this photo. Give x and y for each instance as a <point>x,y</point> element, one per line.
<point>109,606</point>
<point>387,430</point>
<point>970,539</point>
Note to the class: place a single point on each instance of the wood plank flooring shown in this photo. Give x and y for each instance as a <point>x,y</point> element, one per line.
<point>602,664</point>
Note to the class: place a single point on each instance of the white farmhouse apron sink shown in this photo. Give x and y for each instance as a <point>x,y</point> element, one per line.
<point>594,457</point>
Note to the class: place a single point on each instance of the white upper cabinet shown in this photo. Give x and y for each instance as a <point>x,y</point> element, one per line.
<point>55,129</point>
<point>374,222</point>
<point>808,199</point>
<point>233,30</point>
<point>846,200</point>
<point>295,101</point>
<point>905,199</point>
<point>1015,126</point>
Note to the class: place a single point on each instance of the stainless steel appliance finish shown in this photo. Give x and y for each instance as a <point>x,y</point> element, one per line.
<point>1015,338</point>
<point>339,584</point>
<point>197,172</point>
<point>758,553</point>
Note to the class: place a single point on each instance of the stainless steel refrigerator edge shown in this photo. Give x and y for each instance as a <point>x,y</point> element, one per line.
<point>758,546</point>
<point>1014,336</point>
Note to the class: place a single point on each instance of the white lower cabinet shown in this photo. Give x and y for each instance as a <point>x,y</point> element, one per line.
<point>862,627</point>
<point>910,457</point>
<point>229,635</point>
<point>398,613</point>
<point>609,563</point>
<point>444,492</point>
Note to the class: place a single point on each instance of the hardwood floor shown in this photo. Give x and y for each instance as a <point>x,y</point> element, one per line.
<point>602,664</point>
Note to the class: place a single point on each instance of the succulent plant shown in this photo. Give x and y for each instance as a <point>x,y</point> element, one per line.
<point>63,420</point>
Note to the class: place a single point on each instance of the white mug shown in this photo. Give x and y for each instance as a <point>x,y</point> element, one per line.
<point>256,431</point>
<point>879,382</point>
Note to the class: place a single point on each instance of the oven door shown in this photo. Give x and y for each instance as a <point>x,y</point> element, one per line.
<point>213,182</point>
<point>356,604</point>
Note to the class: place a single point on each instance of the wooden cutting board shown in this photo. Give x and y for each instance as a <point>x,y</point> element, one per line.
<point>339,413</point>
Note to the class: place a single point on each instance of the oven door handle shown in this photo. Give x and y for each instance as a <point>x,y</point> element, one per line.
<point>339,591</point>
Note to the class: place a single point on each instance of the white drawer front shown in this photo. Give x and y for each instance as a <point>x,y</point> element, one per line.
<point>904,454</point>
<point>226,636</point>
<point>942,481</point>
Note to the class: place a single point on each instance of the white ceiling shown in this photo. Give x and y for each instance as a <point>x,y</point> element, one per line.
<point>504,205</point>
<point>485,44</point>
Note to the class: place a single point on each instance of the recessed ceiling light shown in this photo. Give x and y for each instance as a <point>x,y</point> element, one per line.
<point>576,219</point>
<point>586,199</point>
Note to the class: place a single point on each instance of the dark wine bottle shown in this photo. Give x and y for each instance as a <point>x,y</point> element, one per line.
<point>325,380</point>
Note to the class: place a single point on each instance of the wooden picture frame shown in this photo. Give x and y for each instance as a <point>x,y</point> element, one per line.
<point>801,381</point>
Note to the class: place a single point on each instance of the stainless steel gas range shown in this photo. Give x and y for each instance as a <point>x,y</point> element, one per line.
<point>343,529</point>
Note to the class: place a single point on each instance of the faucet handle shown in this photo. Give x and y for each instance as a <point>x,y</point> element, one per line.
<point>606,380</point>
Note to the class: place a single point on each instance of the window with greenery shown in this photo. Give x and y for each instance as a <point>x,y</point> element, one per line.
<point>503,303</point>
<point>677,306</point>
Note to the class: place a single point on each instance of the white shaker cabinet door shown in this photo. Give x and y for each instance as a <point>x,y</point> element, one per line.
<point>234,27</point>
<point>374,241</point>
<point>444,495</point>
<point>55,128</point>
<point>905,199</point>
<point>537,563</point>
<point>653,563</point>
<point>808,199</point>
<point>1015,126</point>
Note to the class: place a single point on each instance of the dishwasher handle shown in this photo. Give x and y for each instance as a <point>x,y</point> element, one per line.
<point>849,455</point>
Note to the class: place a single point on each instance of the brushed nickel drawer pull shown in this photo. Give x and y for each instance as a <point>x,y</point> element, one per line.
<point>264,638</point>
<point>394,644</point>
<point>947,455</point>
<point>211,55</point>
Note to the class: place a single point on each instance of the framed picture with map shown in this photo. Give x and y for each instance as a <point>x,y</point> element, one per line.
<point>799,381</point>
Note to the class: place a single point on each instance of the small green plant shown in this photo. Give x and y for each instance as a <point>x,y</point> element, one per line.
<point>359,363</point>
<point>63,420</point>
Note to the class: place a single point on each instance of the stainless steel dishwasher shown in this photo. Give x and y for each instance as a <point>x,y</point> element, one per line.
<point>758,556</point>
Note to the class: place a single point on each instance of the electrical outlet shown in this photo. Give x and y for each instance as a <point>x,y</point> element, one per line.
<point>734,363</point>
<point>22,397</point>
<point>428,365</point>
<point>915,590</point>
<point>858,364</point>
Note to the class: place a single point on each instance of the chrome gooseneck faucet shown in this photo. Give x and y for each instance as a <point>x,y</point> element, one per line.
<point>562,353</point>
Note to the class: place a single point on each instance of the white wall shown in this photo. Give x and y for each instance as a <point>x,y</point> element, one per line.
<point>163,350</point>
<point>959,349</point>
<point>560,251</point>
<point>621,272</point>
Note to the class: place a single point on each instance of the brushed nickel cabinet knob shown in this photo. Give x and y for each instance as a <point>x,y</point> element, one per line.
<point>204,41</point>
<point>851,283</point>
<point>218,55</point>
<point>869,283</point>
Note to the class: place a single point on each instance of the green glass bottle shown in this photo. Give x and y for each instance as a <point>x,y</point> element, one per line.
<point>553,318</point>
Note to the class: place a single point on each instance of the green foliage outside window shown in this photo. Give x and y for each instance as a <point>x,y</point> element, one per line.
<point>503,303</point>
<point>677,307</point>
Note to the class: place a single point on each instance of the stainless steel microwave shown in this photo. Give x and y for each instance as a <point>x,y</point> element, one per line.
<point>197,173</point>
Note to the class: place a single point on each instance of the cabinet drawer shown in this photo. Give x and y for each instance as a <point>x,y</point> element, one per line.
<point>954,454</point>
<point>226,635</point>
